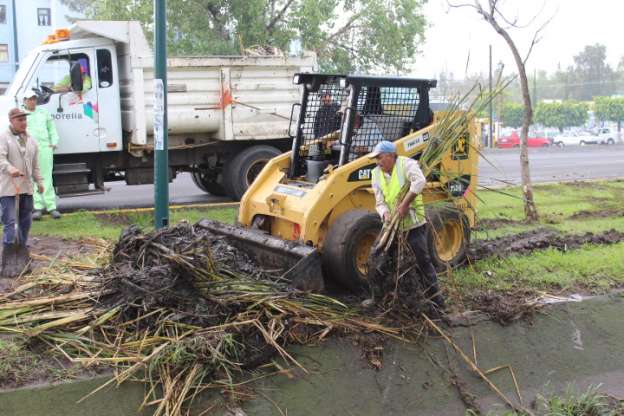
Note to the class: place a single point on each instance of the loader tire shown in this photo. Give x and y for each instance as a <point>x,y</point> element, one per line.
<point>448,237</point>
<point>347,246</point>
<point>243,168</point>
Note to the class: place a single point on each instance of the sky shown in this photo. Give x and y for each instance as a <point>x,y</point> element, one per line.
<point>458,37</point>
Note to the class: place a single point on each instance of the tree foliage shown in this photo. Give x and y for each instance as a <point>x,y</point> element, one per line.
<point>561,114</point>
<point>587,77</point>
<point>512,114</point>
<point>347,35</point>
<point>610,109</point>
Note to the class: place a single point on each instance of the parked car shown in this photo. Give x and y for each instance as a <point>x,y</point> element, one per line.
<point>506,142</point>
<point>587,137</point>
<point>606,136</point>
<point>574,138</point>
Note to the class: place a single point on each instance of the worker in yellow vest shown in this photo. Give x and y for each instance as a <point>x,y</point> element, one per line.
<point>388,178</point>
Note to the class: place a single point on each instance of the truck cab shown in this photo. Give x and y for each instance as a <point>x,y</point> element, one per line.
<point>77,81</point>
<point>227,115</point>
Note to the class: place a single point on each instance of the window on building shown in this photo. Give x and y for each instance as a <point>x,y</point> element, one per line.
<point>43,17</point>
<point>2,14</point>
<point>105,68</point>
<point>4,52</point>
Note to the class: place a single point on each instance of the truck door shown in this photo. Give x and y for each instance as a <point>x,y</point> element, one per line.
<point>76,113</point>
<point>107,85</point>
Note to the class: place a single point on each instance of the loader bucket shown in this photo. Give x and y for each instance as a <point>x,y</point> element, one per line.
<point>298,263</point>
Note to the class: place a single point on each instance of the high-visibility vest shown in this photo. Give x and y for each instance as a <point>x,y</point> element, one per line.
<point>391,190</point>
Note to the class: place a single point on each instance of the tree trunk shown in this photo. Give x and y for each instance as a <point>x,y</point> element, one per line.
<point>530,210</point>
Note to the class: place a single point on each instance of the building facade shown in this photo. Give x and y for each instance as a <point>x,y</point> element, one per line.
<point>24,25</point>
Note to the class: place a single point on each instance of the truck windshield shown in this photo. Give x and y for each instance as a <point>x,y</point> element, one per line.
<point>22,73</point>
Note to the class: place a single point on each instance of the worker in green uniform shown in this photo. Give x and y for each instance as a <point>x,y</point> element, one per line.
<point>41,127</point>
<point>64,85</point>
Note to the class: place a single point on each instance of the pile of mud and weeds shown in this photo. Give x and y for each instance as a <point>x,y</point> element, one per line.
<point>180,308</point>
<point>542,238</point>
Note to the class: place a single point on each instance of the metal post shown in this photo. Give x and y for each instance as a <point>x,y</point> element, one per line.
<point>15,41</point>
<point>161,157</point>
<point>490,142</point>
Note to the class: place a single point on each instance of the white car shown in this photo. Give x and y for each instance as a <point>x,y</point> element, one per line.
<point>606,136</point>
<point>573,139</point>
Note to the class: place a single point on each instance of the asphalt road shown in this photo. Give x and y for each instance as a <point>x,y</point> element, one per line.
<point>547,165</point>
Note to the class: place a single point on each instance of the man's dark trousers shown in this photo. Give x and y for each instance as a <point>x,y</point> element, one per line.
<point>417,239</point>
<point>7,203</point>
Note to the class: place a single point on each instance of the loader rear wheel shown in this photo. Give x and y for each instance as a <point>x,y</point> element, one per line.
<point>241,170</point>
<point>448,237</point>
<point>347,246</point>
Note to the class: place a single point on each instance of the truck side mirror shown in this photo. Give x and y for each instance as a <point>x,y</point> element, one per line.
<point>76,77</point>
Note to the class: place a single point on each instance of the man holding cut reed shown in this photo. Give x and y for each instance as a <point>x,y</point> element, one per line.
<point>388,178</point>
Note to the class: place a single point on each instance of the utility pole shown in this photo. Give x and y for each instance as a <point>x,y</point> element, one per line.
<point>490,142</point>
<point>161,145</point>
<point>15,41</point>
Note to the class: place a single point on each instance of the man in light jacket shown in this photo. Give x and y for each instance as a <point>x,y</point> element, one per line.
<point>41,128</point>
<point>19,167</point>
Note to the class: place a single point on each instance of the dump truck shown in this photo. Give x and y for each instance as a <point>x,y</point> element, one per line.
<point>228,115</point>
<point>311,212</point>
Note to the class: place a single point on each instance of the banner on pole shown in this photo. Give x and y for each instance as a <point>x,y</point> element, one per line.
<point>159,114</point>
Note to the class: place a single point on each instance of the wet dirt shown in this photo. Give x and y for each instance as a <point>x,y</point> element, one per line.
<point>542,238</point>
<point>114,219</point>
<point>605,213</point>
<point>505,308</point>
<point>51,247</point>
<point>494,223</point>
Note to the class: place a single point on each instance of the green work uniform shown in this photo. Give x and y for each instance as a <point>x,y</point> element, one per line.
<point>65,82</point>
<point>392,189</point>
<point>41,127</point>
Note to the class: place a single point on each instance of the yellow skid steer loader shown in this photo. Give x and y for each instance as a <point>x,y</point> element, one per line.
<point>310,213</point>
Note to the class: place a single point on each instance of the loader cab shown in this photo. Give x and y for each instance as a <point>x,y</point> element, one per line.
<point>341,118</point>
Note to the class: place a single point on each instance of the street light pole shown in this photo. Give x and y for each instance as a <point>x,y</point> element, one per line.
<point>161,145</point>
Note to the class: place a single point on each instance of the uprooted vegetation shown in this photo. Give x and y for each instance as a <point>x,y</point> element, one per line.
<point>193,313</point>
<point>179,308</point>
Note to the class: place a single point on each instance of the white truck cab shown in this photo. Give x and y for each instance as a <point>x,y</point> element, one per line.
<point>227,115</point>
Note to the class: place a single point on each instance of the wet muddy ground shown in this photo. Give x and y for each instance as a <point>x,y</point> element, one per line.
<point>45,249</point>
<point>542,238</point>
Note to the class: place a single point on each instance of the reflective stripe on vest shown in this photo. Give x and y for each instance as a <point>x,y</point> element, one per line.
<point>392,189</point>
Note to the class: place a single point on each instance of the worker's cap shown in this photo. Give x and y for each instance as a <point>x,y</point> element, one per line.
<point>16,112</point>
<point>383,147</point>
<point>29,94</point>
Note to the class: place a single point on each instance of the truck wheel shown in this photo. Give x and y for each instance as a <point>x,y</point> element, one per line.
<point>347,247</point>
<point>207,182</point>
<point>241,171</point>
<point>448,237</point>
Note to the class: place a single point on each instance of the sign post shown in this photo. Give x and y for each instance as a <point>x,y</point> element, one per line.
<point>161,145</point>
